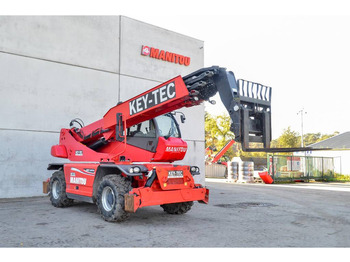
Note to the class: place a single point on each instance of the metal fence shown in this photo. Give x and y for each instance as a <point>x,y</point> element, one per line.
<point>215,170</point>
<point>300,168</point>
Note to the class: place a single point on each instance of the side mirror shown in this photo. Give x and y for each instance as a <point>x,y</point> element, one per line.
<point>183,118</point>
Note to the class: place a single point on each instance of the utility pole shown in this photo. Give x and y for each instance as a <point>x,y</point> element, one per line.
<point>302,112</point>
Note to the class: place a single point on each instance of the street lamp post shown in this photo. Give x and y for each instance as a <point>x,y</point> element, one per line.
<point>302,112</point>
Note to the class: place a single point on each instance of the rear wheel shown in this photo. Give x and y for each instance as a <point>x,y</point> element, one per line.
<point>177,208</point>
<point>110,198</point>
<point>58,196</point>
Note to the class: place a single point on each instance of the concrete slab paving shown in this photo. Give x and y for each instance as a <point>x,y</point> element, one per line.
<point>238,215</point>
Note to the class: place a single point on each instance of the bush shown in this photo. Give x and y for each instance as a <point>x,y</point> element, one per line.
<point>343,178</point>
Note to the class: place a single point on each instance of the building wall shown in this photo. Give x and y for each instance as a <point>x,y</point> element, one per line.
<point>56,68</point>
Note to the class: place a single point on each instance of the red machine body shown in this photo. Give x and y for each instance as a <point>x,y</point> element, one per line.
<point>124,161</point>
<point>222,152</point>
<point>160,100</point>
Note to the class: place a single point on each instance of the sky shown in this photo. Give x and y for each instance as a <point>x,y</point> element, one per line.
<point>305,59</point>
<point>299,48</point>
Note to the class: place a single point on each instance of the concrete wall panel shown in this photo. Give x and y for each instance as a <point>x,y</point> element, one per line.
<point>193,128</point>
<point>133,86</point>
<point>41,95</point>
<point>24,157</point>
<point>88,41</point>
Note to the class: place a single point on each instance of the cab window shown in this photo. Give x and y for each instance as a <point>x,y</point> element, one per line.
<point>167,126</point>
<point>144,129</point>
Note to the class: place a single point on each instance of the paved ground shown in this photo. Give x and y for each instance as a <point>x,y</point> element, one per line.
<point>243,215</point>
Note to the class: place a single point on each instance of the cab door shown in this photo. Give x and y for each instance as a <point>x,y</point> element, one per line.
<point>143,135</point>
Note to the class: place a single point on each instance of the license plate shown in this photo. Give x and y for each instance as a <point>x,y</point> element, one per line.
<point>175,174</point>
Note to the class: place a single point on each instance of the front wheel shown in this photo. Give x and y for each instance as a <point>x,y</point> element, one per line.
<point>110,198</point>
<point>177,208</point>
<point>58,196</point>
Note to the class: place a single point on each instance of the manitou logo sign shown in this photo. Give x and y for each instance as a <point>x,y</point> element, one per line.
<point>165,55</point>
<point>176,149</point>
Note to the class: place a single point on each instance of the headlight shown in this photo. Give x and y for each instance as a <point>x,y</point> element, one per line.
<point>137,169</point>
<point>134,169</point>
<point>194,170</point>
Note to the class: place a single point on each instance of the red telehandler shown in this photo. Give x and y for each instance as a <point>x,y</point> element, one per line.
<point>123,161</point>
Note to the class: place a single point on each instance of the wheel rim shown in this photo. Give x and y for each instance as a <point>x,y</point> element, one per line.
<point>108,198</point>
<point>56,189</point>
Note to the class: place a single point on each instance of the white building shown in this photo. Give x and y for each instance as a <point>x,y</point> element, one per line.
<point>57,68</point>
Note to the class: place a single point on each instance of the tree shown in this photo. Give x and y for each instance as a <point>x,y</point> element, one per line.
<point>288,138</point>
<point>217,132</point>
<point>326,136</point>
<point>311,138</point>
<point>251,154</point>
<point>291,138</point>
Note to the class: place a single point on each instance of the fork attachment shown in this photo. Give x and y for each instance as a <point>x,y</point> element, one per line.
<point>248,103</point>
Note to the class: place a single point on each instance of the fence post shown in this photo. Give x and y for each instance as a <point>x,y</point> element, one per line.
<point>322,168</point>
<point>305,165</point>
<point>273,168</point>
<point>308,169</point>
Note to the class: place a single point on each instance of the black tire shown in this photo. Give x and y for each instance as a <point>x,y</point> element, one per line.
<point>177,208</point>
<point>57,193</point>
<point>110,198</point>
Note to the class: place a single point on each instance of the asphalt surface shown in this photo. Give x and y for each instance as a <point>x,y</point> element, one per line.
<point>238,215</point>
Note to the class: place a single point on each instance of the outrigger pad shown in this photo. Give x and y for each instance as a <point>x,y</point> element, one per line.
<point>129,203</point>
